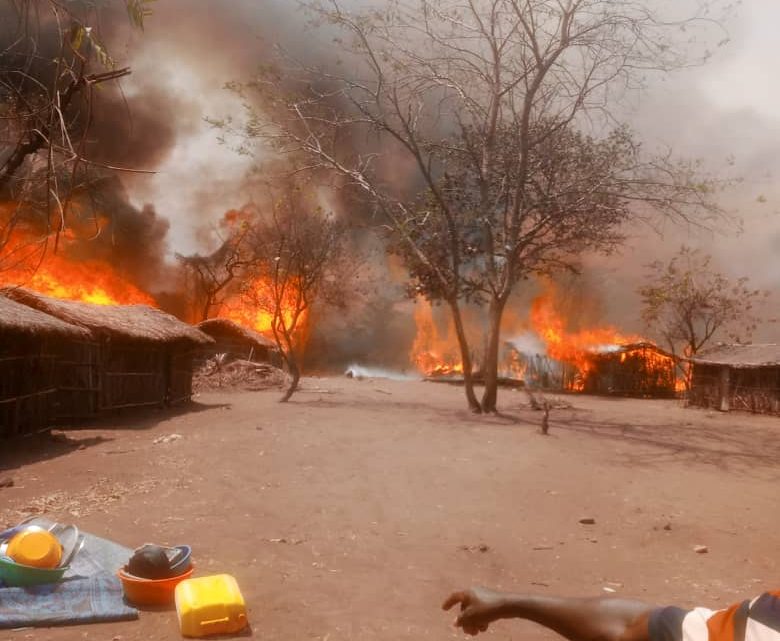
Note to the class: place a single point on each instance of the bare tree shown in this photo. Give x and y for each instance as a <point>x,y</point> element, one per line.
<point>688,303</point>
<point>579,192</point>
<point>213,274</point>
<point>490,91</point>
<point>51,61</point>
<point>298,263</point>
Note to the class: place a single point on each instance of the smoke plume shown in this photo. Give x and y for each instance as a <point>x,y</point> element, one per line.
<point>723,113</point>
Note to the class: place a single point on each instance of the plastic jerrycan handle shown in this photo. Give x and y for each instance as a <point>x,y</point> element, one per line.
<point>214,622</point>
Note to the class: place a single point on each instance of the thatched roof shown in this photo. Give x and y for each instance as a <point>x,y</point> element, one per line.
<point>741,356</point>
<point>623,348</point>
<point>20,319</point>
<point>133,322</point>
<point>222,326</point>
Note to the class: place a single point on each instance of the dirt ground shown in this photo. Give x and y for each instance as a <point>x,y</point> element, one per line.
<point>351,512</point>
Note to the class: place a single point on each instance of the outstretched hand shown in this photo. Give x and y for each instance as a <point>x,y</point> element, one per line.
<point>479,607</point>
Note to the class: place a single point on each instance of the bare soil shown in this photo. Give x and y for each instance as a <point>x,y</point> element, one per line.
<point>353,510</point>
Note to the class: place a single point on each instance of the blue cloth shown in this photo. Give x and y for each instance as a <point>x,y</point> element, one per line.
<point>89,593</point>
<point>74,600</point>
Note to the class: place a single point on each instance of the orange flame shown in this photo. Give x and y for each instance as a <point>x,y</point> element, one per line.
<point>434,353</point>
<point>254,307</point>
<point>573,348</point>
<point>578,350</point>
<point>29,264</point>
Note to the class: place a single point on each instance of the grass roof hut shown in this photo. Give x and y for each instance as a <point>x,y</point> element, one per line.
<point>238,342</point>
<point>741,377</point>
<point>140,356</point>
<point>640,370</point>
<point>28,360</point>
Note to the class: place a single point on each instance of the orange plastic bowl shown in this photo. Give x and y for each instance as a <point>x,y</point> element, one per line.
<point>140,591</point>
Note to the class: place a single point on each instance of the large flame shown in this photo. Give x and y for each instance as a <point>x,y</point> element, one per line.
<point>28,262</point>
<point>434,353</point>
<point>254,307</point>
<point>575,349</point>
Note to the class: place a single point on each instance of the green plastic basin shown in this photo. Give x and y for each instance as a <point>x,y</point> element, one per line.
<point>16,575</point>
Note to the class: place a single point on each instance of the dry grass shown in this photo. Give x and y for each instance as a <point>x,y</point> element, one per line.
<point>237,375</point>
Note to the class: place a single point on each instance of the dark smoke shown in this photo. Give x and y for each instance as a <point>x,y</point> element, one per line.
<point>676,113</point>
<point>191,48</point>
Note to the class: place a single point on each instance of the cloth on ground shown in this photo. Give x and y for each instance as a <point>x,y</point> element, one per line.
<point>89,593</point>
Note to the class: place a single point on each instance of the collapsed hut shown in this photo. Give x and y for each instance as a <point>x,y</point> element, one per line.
<point>29,350</point>
<point>138,356</point>
<point>639,370</point>
<point>737,377</point>
<point>237,342</point>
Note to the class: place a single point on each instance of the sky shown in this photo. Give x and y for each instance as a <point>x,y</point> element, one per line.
<point>725,113</point>
<point>727,109</point>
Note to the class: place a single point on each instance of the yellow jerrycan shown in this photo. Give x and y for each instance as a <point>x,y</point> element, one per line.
<point>210,605</point>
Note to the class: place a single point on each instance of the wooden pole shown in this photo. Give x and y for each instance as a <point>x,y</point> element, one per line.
<point>724,404</point>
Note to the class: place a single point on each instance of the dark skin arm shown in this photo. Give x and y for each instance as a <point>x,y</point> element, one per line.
<point>593,619</point>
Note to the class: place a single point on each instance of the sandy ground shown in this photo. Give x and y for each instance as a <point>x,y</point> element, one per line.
<point>351,512</point>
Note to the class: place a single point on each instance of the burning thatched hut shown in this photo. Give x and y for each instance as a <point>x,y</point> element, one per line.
<point>140,356</point>
<point>238,342</point>
<point>741,377</point>
<point>28,383</point>
<point>639,370</point>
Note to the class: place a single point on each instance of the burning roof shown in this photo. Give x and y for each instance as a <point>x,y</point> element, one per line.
<point>624,348</point>
<point>741,356</point>
<point>21,319</point>
<point>215,326</point>
<point>134,322</point>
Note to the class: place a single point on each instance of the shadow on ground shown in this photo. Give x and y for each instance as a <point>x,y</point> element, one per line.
<point>143,419</point>
<point>63,440</point>
<point>746,448</point>
<point>42,447</point>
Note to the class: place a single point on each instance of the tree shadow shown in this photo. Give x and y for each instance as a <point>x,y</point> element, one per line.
<point>744,449</point>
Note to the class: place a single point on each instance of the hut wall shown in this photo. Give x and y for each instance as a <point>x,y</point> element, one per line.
<point>27,385</point>
<point>641,372</point>
<point>179,375</point>
<point>755,390</point>
<point>78,378</point>
<point>132,374</point>
<point>752,389</point>
<point>115,375</point>
<point>705,386</point>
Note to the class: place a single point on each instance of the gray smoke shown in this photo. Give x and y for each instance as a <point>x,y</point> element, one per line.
<point>723,113</point>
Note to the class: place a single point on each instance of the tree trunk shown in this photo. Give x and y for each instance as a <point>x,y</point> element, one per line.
<point>490,395</point>
<point>465,358</point>
<point>546,419</point>
<point>295,374</point>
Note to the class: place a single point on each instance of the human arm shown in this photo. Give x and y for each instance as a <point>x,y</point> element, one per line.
<point>577,619</point>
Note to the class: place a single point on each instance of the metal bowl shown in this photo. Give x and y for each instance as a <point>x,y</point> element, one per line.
<point>181,559</point>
